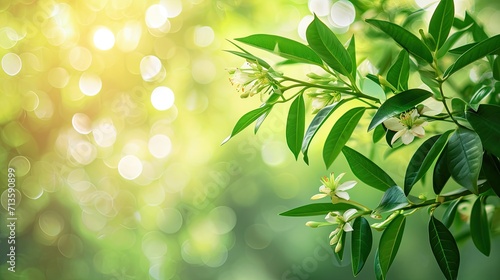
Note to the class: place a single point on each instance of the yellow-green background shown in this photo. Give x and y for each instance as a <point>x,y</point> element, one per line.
<point>204,211</point>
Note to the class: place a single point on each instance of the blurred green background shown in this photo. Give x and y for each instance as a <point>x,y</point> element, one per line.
<point>112,113</point>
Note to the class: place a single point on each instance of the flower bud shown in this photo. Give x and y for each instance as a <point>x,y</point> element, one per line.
<point>313,224</point>
<point>338,247</point>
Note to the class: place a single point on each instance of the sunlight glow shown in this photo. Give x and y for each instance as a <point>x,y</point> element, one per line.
<point>156,16</point>
<point>90,84</point>
<point>162,98</point>
<point>130,167</point>
<point>160,146</point>
<point>104,39</point>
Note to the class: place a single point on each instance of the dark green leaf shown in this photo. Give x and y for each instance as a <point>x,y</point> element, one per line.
<point>295,125</point>
<point>478,51</point>
<point>315,124</point>
<point>328,47</point>
<point>465,155</point>
<point>491,169</point>
<point>351,49</point>
<point>378,133</point>
<point>444,248</point>
<point>462,49</point>
<point>404,38</point>
<point>485,122</point>
<point>390,241</point>
<point>479,95</point>
<point>361,244</point>
<point>441,173</point>
<point>367,171</point>
<point>340,133</point>
<point>393,199</point>
<point>449,214</point>
<point>316,209</point>
<point>247,119</point>
<point>397,104</point>
<point>378,269</point>
<point>441,22</point>
<point>283,47</point>
<point>458,106</point>
<point>449,43</point>
<point>423,159</point>
<point>399,72</point>
<point>496,68</point>
<point>479,227</point>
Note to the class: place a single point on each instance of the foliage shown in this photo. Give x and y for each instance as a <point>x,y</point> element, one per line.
<point>463,128</point>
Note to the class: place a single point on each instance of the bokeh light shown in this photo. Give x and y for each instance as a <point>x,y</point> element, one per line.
<point>162,98</point>
<point>103,38</point>
<point>11,64</point>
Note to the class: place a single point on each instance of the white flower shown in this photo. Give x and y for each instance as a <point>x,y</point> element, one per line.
<point>343,225</point>
<point>431,107</point>
<point>332,188</point>
<point>323,99</point>
<point>408,125</point>
<point>250,79</point>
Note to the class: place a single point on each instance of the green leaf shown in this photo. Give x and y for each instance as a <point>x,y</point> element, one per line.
<point>496,68</point>
<point>295,125</point>
<point>361,244</point>
<point>351,49</point>
<point>479,227</point>
<point>458,106</point>
<point>378,133</point>
<point>260,120</point>
<point>449,214</point>
<point>423,158</point>
<point>378,269</point>
<point>449,43</point>
<point>404,38</point>
<point>318,120</point>
<point>485,122</point>
<point>399,72</point>
<point>479,95</point>
<point>316,209</point>
<point>283,47</point>
<point>247,119</point>
<point>371,88</point>
<point>441,173</point>
<point>328,47</point>
<point>462,49</point>
<point>491,170</point>
<point>465,154</point>
<point>398,104</point>
<point>444,248</point>
<point>478,51</point>
<point>390,241</point>
<point>441,22</point>
<point>393,199</point>
<point>367,171</point>
<point>340,134</point>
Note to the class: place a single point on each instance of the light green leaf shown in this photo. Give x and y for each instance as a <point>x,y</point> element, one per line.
<point>390,241</point>
<point>283,47</point>
<point>399,72</point>
<point>476,52</point>
<point>328,47</point>
<point>371,88</point>
<point>295,125</point>
<point>318,120</point>
<point>441,173</point>
<point>361,244</point>
<point>397,104</point>
<point>340,134</point>
<point>404,38</point>
<point>367,171</point>
<point>351,49</point>
<point>465,155</point>
<point>451,210</point>
<point>423,158</point>
<point>316,209</point>
<point>441,21</point>
<point>479,227</point>
<point>393,199</point>
<point>485,122</point>
<point>247,119</point>
<point>444,248</point>
<point>378,269</point>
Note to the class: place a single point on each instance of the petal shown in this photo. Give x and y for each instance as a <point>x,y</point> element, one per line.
<point>347,185</point>
<point>342,195</point>
<point>332,217</point>
<point>324,189</point>
<point>334,232</point>
<point>394,124</point>
<point>348,227</point>
<point>318,196</point>
<point>337,180</point>
<point>348,214</point>
<point>407,138</point>
<point>397,135</point>
<point>418,131</point>
<point>432,107</point>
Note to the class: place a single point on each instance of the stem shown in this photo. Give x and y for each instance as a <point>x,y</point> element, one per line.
<point>446,105</point>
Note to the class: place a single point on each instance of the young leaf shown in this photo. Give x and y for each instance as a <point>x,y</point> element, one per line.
<point>476,52</point>
<point>397,104</point>
<point>328,47</point>
<point>444,248</point>
<point>485,122</point>
<point>371,88</point>
<point>404,38</point>
<point>449,214</point>
<point>441,173</point>
<point>340,133</point>
<point>315,124</point>
<point>491,169</point>
<point>441,22</point>
<point>283,47</point>
<point>361,244</point>
<point>423,158</point>
<point>247,119</point>
<point>390,241</point>
<point>351,49</point>
<point>399,72</point>
<point>393,199</point>
<point>465,154</point>
<point>479,95</point>
<point>479,227</point>
<point>367,171</point>
<point>316,209</point>
<point>295,125</point>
